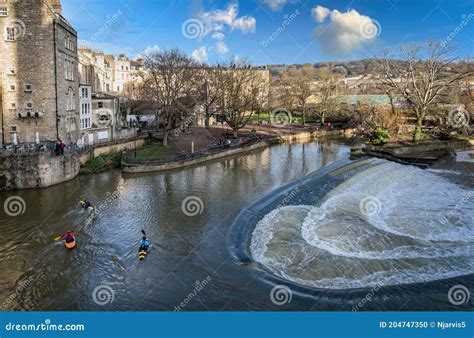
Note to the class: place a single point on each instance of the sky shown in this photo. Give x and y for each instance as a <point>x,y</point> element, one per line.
<point>271,31</point>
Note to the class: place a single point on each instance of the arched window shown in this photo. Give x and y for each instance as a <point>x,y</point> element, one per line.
<point>70,100</point>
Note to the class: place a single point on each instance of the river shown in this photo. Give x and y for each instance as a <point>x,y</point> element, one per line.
<point>189,216</point>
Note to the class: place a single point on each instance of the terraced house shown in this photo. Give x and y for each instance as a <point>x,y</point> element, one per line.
<point>39,94</point>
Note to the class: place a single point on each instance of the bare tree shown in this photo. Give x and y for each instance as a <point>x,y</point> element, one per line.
<point>243,93</point>
<point>326,93</point>
<point>209,90</point>
<point>169,83</point>
<point>421,75</point>
<point>299,81</point>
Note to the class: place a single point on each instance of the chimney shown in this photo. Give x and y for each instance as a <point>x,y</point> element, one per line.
<point>55,5</point>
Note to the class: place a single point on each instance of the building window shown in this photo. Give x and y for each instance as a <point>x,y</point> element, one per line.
<point>28,88</point>
<point>100,104</point>
<point>12,105</point>
<point>14,129</point>
<point>29,106</point>
<point>10,34</point>
<point>69,70</point>
<point>3,11</point>
<point>11,71</point>
<point>70,100</point>
<point>12,88</point>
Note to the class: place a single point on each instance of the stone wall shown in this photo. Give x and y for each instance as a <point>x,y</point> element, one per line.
<point>36,171</point>
<point>43,170</point>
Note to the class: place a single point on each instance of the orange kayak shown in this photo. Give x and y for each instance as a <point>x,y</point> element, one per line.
<point>70,245</point>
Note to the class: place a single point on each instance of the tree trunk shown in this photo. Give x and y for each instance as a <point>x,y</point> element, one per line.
<point>236,132</point>
<point>323,118</point>
<point>165,136</point>
<point>304,119</point>
<point>418,133</point>
<point>206,121</point>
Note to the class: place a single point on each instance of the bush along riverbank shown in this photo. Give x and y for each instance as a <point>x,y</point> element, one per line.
<point>101,163</point>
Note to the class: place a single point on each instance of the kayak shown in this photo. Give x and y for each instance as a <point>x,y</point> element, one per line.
<point>70,245</point>
<point>142,253</point>
<point>82,203</point>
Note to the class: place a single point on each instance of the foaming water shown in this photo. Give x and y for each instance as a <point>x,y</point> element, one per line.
<point>386,225</point>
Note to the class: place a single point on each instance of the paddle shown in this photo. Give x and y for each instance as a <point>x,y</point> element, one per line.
<point>60,237</point>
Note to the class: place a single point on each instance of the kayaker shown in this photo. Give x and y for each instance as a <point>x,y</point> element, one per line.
<point>86,204</point>
<point>69,237</point>
<point>144,244</point>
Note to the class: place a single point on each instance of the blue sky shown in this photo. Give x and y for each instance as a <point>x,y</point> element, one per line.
<point>270,31</point>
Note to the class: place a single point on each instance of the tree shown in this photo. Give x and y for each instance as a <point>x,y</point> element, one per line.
<point>422,80</point>
<point>209,90</point>
<point>326,93</point>
<point>243,93</point>
<point>169,83</point>
<point>299,81</point>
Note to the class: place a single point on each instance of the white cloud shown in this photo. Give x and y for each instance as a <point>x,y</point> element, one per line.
<point>150,50</point>
<point>320,13</point>
<point>218,20</point>
<point>200,55</point>
<point>343,32</point>
<point>277,5</point>
<point>218,23</point>
<point>222,47</point>
<point>218,36</point>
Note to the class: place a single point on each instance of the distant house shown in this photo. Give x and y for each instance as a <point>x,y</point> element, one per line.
<point>375,100</point>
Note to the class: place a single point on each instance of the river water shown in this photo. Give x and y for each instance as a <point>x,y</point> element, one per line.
<point>312,248</point>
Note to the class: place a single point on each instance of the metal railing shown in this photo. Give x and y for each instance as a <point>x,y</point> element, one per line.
<point>186,155</point>
<point>49,147</point>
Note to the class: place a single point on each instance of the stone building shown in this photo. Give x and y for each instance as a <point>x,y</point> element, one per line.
<point>106,73</point>
<point>95,70</point>
<point>38,76</point>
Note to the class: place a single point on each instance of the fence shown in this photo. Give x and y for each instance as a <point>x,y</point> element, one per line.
<point>186,156</point>
<point>48,147</point>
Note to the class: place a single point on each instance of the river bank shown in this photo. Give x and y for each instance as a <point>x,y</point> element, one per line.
<point>201,145</point>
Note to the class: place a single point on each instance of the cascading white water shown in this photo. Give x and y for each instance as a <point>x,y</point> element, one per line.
<point>387,225</point>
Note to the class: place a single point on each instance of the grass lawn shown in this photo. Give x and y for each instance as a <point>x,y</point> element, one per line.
<point>150,151</point>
